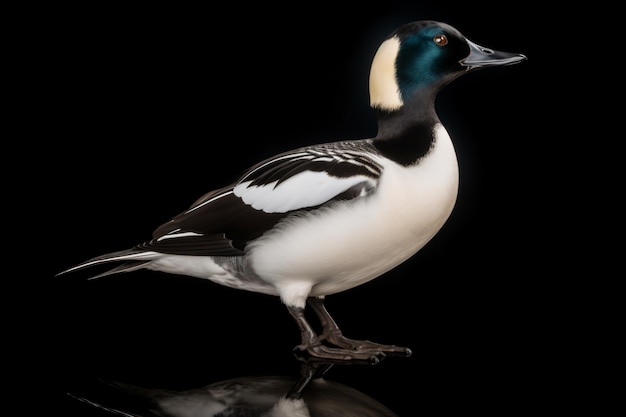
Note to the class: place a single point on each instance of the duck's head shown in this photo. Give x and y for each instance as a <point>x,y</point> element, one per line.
<point>425,56</point>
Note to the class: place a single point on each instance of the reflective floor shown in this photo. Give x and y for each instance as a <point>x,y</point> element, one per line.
<point>253,396</point>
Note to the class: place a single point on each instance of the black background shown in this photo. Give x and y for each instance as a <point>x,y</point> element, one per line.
<point>139,111</point>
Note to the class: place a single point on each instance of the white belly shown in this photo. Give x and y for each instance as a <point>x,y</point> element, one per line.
<point>340,247</point>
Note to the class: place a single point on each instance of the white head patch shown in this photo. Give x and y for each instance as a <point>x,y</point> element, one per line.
<point>384,90</point>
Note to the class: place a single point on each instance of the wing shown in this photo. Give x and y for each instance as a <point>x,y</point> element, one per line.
<point>223,221</point>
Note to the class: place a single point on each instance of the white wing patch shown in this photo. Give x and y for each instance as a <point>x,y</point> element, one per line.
<point>177,233</point>
<point>306,189</point>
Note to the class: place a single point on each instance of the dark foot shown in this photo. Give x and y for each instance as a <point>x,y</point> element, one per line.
<point>338,339</point>
<point>332,334</point>
<point>326,353</point>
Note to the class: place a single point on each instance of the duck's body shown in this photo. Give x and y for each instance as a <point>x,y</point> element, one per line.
<point>325,218</point>
<point>376,223</point>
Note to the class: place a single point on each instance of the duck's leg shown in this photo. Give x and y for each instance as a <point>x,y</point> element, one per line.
<point>312,344</point>
<point>332,334</point>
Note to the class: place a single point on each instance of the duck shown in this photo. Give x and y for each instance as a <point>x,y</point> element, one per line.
<point>321,219</point>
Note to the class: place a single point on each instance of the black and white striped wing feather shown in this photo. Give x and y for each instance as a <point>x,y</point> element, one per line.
<point>223,221</point>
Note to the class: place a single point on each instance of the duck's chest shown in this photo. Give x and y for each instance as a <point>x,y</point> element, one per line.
<point>357,240</point>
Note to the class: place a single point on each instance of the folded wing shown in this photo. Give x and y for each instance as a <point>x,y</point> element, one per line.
<point>223,221</point>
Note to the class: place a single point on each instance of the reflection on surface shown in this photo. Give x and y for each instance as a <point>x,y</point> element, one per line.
<point>255,396</point>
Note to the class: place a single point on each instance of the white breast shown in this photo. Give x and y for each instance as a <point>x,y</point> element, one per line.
<point>345,245</point>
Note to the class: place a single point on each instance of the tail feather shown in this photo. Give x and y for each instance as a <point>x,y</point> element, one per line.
<point>133,259</point>
<point>125,267</point>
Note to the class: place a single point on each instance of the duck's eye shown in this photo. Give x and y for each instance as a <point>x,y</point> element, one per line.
<point>440,40</point>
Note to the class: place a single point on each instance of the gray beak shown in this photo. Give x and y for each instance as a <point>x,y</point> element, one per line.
<point>481,57</point>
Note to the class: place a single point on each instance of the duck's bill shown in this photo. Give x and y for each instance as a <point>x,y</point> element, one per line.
<point>481,57</point>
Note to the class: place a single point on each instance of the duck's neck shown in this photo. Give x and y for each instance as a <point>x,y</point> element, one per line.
<point>407,134</point>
